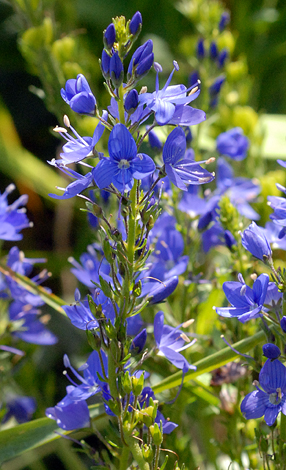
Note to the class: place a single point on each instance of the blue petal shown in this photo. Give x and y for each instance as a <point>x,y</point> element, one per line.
<point>260,288</point>
<point>121,144</point>
<point>271,415</point>
<point>187,116</point>
<point>142,166</point>
<point>104,172</point>
<point>232,291</point>
<point>254,404</point>
<point>158,327</point>
<point>273,376</point>
<point>73,416</point>
<point>175,178</point>
<point>175,146</point>
<point>164,111</point>
<point>175,358</point>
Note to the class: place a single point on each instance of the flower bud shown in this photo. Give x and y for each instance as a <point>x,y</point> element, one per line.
<point>156,434</point>
<point>126,383</point>
<point>105,64</point>
<point>93,340</point>
<point>283,324</point>
<point>224,20</point>
<point>137,384</point>
<point>254,241</point>
<point>200,49</point>
<point>142,60</point>
<point>109,36</point>
<point>116,70</point>
<point>135,23</point>
<point>147,452</point>
<point>131,101</point>
<point>213,51</point>
<point>139,341</point>
<point>223,55</point>
<point>215,88</point>
<point>271,351</point>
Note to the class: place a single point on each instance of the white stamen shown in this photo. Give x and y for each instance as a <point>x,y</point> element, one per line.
<point>66,121</point>
<point>59,129</point>
<point>188,323</point>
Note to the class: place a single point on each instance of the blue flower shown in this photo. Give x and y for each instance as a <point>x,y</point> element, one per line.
<point>81,183</point>
<point>21,408</point>
<point>78,95</point>
<point>279,206</point>
<point>215,236</point>
<point>270,401</point>
<point>69,417</point>
<point>13,218</point>
<point>170,342</point>
<point>180,169</point>
<point>246,303</point>
<point>170,99</point>
<point>233,144</point>
<point>79,148</point>
<point>124,163</point>
<point>81,316</point>
<point>254,240</point>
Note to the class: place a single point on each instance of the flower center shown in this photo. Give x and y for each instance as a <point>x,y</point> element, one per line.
<point>123,164</point>
<point>276,397</point>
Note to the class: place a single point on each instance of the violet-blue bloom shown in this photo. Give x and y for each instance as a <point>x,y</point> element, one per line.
<point>233,144</point>
<point>279,206</point>
<point>81,316</point>
<point>20,408</point>
<point>79,148</point>
<point>124,163</point>
<point>180,169</point>
<point>254,240</point>
<point>165,102</point>
<point>246,303</point>
<point>69,417</point>
<point>13,217</point>
<point>272,399</point>
<point>170,342</point>
<point>78,95</point>
<point>81,183</point>
<point>139,341</point>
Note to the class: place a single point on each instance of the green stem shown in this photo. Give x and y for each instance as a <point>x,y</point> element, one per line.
<point>157,455</point>
<point>137,453</point>
<point>127,285</point>
<point>120,104</point>
<point>124,458</point>
<point>112,370</point>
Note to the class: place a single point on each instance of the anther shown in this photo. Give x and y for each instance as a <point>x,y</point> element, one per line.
<point>66,121</point>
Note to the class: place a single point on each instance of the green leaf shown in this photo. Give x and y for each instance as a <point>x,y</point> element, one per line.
<point>274,126</point>
<point>27,436</point>
<point>207,316</point>
<point>21,165</point>
<point>50,299</point>
<point>212,362</point>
